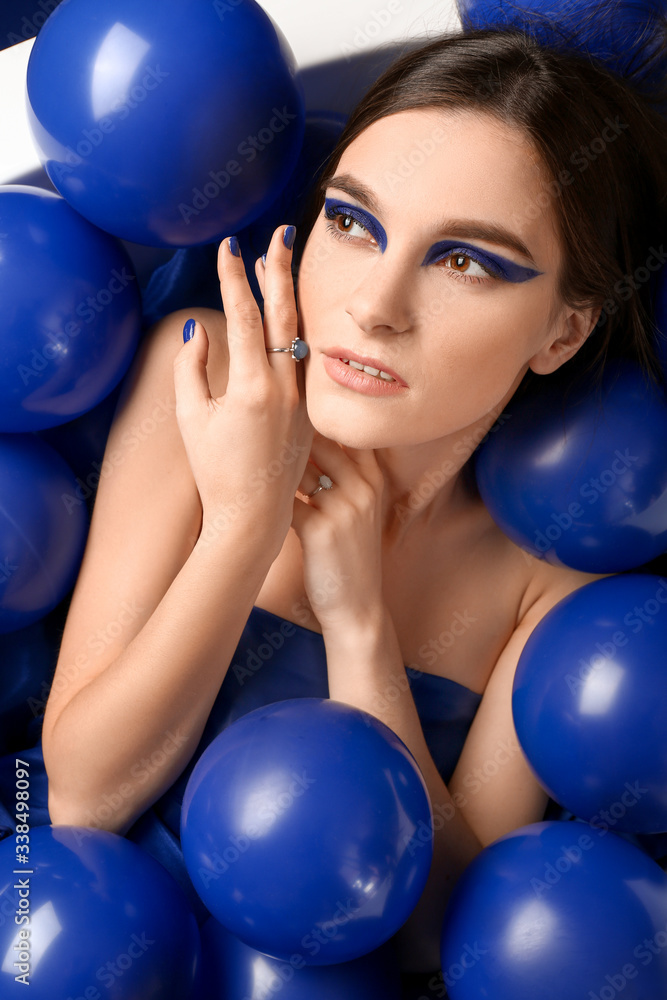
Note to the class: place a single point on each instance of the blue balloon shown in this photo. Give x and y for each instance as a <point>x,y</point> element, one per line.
<point>165,123</point>
<point>590,702</point>
<point>71,311</point>
<point>234,971</point>
<point>322,131</point>
<point>299,828</point>
<point>43,530</point>
<point>82,443</point>
<point>555,910</point>
<point>660,316</point>
<point>628,35</point>
<point>582,483</point>
<point>28,660</point>
<point>95,916</point>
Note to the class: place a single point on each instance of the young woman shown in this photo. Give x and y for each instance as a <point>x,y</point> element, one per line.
<point>481,204</point>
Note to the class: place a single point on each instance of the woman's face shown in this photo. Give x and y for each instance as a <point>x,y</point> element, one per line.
<point>392,280</point>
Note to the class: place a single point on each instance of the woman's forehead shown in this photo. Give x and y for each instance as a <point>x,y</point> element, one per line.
<point>436,165</point>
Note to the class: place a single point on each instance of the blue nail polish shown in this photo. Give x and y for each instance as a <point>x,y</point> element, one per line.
<point>264,257</point>
<point>188,330</point>
<point>234,246</point>
<point>288,236</point>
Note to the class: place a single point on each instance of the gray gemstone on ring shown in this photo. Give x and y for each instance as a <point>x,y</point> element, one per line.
<point>326,482</point>
<point>299,349</point>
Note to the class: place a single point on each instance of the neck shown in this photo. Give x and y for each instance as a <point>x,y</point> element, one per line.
<point>432,482</point>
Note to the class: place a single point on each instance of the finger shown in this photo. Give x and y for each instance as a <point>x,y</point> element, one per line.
<point>245,330</point>
<point>330,459</point>
<point>259,273</point>
<point>279,301</point>
<point>303,513</point>
<point>190,377</point>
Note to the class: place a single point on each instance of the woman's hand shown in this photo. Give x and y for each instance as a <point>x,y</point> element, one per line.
<point>248,447</point>
<point>340,530</point>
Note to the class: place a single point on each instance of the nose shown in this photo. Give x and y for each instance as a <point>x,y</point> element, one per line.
<point>380,301</point>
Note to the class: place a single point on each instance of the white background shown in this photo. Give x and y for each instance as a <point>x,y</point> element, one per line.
<point>337,43</point>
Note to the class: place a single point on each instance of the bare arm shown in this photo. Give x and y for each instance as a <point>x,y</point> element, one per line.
<point>492,790</point>
<point>156,613</point>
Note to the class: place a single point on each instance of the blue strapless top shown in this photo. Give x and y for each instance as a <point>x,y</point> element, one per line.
<point>274,660</point>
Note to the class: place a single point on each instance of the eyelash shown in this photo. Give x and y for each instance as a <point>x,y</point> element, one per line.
<point>339,235</point>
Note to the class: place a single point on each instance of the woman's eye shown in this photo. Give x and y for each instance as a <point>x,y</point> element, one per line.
<point>346,224</point>
<point>465,266</point>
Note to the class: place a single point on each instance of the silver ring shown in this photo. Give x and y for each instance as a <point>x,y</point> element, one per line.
<point>325,484</point>
<point>298,349</point>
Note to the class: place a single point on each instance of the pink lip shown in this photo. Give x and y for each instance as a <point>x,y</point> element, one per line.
<point>359,381</point>
<point>362,359</point>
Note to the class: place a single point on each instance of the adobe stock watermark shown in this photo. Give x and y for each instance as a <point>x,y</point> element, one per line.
<point>267,807</point>
<point>108,974</point>
<point>131,440</point>
<point>247,150</point>
<point>644,952</point>
<point>581,158</point>
<point>590,491</point>
<point>258,481</point>
<point>635,620</point>
<point>97,642</point>
<point>366,35</point>
<point>474,780</point>
<point>572,854</point>
<point>141,771</point>
<point>435,479</point>
<point>92,138</point>
<point>626,286</point>
<point>404,167</point>
<point>86,310</point>
<point>30,25</point>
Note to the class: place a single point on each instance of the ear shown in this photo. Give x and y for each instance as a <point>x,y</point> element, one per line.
<point>569,333</point>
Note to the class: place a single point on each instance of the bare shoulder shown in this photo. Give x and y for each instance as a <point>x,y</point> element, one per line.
<point>147,512</point>
<point>549,584</point>
<point>164,339</point>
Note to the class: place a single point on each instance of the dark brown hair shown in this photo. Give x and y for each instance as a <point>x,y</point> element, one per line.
<point>603,144</point>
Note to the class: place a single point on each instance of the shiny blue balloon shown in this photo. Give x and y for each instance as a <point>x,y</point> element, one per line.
<point>306,828</point>
<point>70,308</point>
<point>660,316</point>
<point>627,35</point>
<point>322,131</point>
<point>582,483</point>
<point>590,702</point>
<point>163,122</point>
<point>28,660</point>
<point>82,443</point>
<point>103,919</point>
<point>234,971</point>
<point>553,911</point>
<point>42,532</point>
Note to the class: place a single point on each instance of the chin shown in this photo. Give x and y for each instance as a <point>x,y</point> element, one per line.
<point>344,428</point>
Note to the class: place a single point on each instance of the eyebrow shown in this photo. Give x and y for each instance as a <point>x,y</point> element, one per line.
<point>461,228</point>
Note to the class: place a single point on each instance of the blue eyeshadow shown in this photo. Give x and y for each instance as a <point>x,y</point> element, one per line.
<point>333,206</point>
<point>499,266</point>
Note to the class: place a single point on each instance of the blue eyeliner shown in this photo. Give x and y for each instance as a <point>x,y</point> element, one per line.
<point>334,206</point>
<point>500,267</point>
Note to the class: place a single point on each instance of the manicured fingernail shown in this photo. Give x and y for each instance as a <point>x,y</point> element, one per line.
<point>234,246</point>
<point>288,236</point>
<point>264,259</point>
<point>188,330</point>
